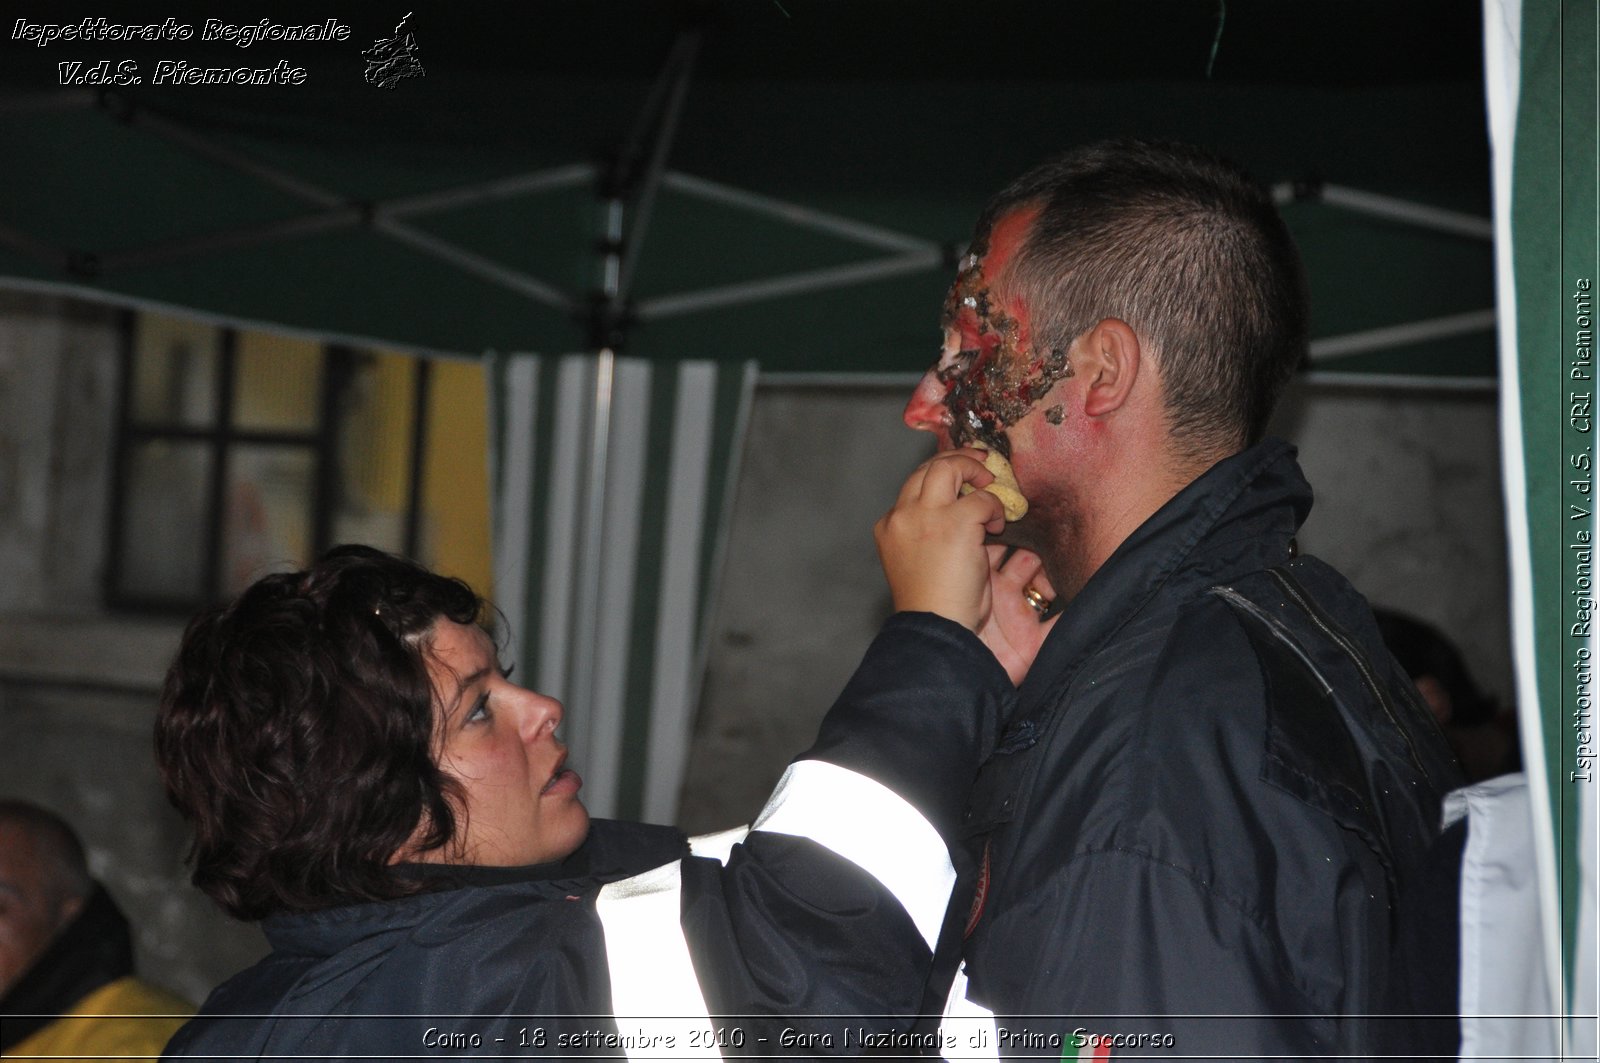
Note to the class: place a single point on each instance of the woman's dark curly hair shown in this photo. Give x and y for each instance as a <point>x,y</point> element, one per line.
<point>296,733</point>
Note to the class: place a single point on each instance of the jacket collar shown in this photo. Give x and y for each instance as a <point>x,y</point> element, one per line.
<point>1240,515</point>
<point>613,850</point>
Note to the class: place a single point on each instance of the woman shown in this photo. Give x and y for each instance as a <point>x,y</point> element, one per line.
<point>365,778</point>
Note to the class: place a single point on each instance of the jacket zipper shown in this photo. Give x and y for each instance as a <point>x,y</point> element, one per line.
<point>1294,591</point>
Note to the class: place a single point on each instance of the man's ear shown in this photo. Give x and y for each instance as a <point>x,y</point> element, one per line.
<point>1106,359</point>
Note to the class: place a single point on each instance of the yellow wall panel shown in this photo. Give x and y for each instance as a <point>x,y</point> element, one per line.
<point>456,475</point>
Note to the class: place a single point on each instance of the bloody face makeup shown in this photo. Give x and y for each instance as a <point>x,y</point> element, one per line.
<point>991,375</point>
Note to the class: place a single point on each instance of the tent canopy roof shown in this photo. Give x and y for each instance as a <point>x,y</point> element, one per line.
<point>899,116</point>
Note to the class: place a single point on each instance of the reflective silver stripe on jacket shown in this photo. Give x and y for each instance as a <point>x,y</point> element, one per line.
<point>719,845</point>
<point>655,995</point>
<point>872,827</point>
<point>968,1030</point>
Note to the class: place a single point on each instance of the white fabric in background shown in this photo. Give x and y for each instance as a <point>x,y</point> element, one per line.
<point>1505,997</point>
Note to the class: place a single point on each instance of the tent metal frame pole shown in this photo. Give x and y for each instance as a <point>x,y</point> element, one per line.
<point>1391,208</point>
<point>234,160</point>
<point>1401,382</point>
<point>380,214</point>
<point>685,50</point>
<point>228,239</point>
<point>795,214</point>
<point>789,284</point>
<point>526,184</point>
<point>1398,335</point>
<point>476,264</point>
<point>581,649</point>
<point>518,282</point>
<point>616,212</point>
<point>633,145</point>
<point>1419,214</point>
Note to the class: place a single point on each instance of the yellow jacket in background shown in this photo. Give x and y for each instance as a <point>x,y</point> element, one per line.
<point>124,1019</point>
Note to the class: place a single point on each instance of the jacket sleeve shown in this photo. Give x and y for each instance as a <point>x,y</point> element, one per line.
<point>824,919</point>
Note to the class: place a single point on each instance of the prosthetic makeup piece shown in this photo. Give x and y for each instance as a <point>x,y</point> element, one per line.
<point>991,375</point>
<point>1003,486</point>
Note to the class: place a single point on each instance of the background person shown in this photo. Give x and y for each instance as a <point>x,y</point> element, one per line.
<point>1483,737</point>
<point>1216,788</point>
<point>364,778</point>
<point>67,987</point>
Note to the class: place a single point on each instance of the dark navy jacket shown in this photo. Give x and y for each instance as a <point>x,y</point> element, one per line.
<point>1215,790</point>
<point>819,923</point>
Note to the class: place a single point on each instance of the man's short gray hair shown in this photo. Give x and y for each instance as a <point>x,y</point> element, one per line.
<point>1190,253</point>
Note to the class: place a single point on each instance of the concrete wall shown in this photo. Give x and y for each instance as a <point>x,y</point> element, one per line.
<point>77,685</point>
<point>802,592</point>
<point>1408,506</point>
<point>58,373</point>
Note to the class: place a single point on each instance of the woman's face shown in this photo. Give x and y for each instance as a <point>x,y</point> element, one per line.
<point>499,741</point>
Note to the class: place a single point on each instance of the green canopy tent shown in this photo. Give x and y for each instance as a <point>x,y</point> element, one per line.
<point>1542,79</point>
<point>651,197</point>
<point>744,175</point>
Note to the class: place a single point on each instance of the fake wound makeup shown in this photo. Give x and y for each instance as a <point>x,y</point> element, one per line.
<point>991,375</point>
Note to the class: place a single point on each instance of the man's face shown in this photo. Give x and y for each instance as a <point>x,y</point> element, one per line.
<point>31,910</point>
<point>989,376</point>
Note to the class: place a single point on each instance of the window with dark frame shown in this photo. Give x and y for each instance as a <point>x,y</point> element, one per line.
<point>241,453</point>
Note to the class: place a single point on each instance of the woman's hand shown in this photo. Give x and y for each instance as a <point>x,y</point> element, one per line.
<point>1022,599</point>
<point>931,542</point>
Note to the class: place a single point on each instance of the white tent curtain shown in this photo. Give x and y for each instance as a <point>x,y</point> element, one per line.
<point>1541,87</point>
<point>612,480</point>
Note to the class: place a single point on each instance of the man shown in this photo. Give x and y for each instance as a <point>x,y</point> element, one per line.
<point>1216,787</point>
<point>66,958</point>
